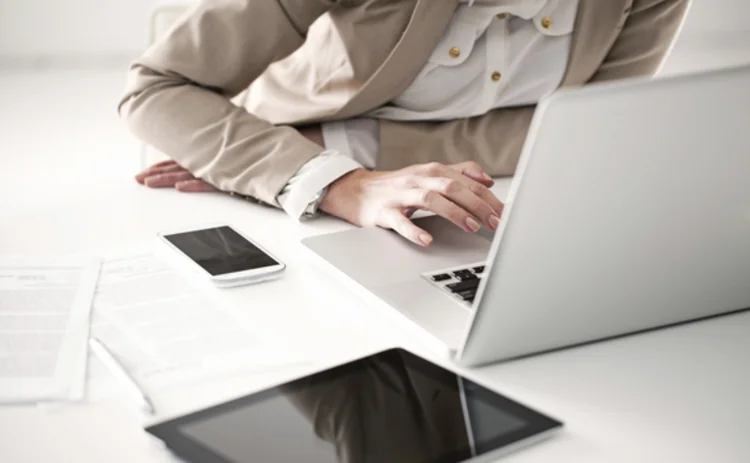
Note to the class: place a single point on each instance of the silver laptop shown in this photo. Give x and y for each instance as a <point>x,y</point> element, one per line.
<point>630,210</point>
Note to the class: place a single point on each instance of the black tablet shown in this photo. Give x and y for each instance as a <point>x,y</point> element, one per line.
<point>387,408</point>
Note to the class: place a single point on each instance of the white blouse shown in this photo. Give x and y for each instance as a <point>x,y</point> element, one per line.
<point>494,54</point>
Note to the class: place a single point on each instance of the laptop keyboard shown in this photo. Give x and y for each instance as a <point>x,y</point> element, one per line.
<point>461,282</point>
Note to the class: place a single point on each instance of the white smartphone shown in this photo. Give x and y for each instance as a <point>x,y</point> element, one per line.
<point>223,254</point>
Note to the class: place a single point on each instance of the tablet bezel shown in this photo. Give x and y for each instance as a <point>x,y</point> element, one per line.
<point>537,424</point>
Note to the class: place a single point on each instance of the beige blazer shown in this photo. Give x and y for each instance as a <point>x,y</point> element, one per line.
<point>307,61</point>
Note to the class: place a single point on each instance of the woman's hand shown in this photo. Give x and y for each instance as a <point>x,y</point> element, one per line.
<point>458,193</point>
<point>169,174</point>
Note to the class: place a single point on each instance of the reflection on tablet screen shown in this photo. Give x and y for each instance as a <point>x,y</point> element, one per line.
<point>390,407</point>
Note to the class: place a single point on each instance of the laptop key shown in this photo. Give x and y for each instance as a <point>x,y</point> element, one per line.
<point>463,274</point>
<point>479,269</point>
<point>463,285</point>
<point>441,277</point>
<point>468,294</point>
<point>466,276</point>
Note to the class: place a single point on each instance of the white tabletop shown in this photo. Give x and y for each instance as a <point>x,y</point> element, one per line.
<point>674,395</point>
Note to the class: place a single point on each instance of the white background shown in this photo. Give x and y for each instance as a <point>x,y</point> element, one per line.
<point>67,187</point>
<point>92,30</point>
<point>73,28</point>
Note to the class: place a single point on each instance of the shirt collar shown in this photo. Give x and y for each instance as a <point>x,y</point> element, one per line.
<point>523,8</point>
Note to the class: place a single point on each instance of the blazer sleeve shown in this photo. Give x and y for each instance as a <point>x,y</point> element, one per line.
<point>645,40</point>
<point>177,96</point>
<point>495,140</point>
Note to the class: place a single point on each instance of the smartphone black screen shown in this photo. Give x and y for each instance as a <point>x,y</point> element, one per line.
<point>220,250</point>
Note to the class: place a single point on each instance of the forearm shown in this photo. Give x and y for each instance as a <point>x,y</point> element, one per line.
<point>220,143</point>
<point>178,94</point>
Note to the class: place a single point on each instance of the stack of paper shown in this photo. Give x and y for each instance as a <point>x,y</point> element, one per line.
<point>161,330</point>
<point>166,332</point>
<point>45,306</point>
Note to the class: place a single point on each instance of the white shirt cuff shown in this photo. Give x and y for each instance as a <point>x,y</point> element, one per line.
<point>312,178</point>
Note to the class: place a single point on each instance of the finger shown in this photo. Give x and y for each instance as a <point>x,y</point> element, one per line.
<point>433,201</point>
<point>398,222</point>
<point>474,171</point>
<point>168,162</point>
<point>154,167</point>
<point>482,177</point>
<point>456,190</point>
<point>151,171</point>
<point>167,180</point>
<point>470,169</point>
<point>480,189</point>
<point>194,186</point>
<point>486,195</point>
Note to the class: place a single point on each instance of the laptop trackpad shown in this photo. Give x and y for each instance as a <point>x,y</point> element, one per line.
<point>373,256</point>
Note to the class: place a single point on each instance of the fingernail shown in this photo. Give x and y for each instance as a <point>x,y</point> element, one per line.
<point>472,224</point>
<point>484,174</point>
<point>425,239</point>
<point>494,222</point>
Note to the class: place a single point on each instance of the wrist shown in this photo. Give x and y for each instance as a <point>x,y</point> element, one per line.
<point>334,200</point>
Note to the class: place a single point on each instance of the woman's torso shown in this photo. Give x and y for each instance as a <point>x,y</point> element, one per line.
<point>526,46</point>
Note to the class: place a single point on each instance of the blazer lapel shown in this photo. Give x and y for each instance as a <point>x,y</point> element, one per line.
<point>428,23</point>
<point>598,24</point>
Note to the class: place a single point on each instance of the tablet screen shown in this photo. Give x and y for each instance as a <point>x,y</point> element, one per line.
<point>387,408</point>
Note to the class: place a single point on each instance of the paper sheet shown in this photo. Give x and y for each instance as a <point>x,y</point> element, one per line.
<point>168,332</point>
<point>45,306</point>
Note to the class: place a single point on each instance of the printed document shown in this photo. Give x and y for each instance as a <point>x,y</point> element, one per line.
<point>168,331</point>
<point>45,307</point>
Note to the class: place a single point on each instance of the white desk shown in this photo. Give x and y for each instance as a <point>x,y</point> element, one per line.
<point>678,395</point>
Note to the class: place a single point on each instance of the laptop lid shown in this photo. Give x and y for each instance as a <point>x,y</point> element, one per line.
<point>630,210</point>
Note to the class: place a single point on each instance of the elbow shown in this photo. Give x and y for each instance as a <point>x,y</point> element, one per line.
<point>141,81</point>
<point>123,108</point>
<point>139,107</point>
<point>134,91</point>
